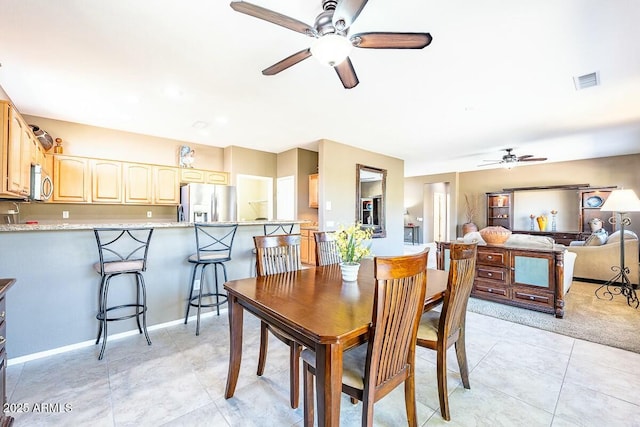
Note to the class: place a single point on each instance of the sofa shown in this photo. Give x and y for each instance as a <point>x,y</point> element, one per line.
<point>595,260</point>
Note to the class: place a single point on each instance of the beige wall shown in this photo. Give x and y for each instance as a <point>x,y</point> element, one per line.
<point>337,186</point>
<point>620,171</point>
<point>307,165</point>
<point>92,141</point>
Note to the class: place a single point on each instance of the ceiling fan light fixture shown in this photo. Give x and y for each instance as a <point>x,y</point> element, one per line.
<point>331,49</point>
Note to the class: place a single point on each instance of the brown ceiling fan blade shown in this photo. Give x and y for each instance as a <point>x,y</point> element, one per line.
<point>287,62</point>
<point>273,17</point>
<point>533,159</point>
<point>346,12</point>
<point>347,74</point>
<point>391,40</point>
<point>526,156</point>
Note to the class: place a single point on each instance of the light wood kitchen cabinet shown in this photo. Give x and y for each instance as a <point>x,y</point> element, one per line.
<point>313,190</point>
<point>307,246</point>
<point>106,181</point>
<point>72,179</point>
<point>166,185</point>
<point>19,155</point>
<point>188,176</point>
<point>138,183</point>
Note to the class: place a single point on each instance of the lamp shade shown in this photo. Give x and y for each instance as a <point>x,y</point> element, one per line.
<point>622,201</point>
<point>331,49</point>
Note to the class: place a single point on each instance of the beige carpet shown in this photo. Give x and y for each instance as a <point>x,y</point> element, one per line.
<point>612,323</point>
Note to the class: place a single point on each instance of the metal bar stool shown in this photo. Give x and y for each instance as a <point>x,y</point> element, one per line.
<point>122,251</point>
<point>214,243</point>
<point>270,229</point>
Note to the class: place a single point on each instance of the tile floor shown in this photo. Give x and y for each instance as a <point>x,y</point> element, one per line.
<point>519,376</point>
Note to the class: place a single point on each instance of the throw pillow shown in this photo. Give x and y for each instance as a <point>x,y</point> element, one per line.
<point>628,234</point>
<point>597,238</point>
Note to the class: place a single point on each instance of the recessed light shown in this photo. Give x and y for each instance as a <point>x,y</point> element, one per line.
<point>200,124</point>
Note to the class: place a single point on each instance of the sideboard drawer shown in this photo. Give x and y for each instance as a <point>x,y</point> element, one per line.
<point>484,289</point>
<point>532,297</point>
<point>492,258</point>
<point>488,272</point>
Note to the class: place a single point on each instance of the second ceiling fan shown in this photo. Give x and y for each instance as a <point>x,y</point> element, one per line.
<point>331,31</point>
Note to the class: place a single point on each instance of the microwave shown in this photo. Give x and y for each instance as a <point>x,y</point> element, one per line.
<point>41,184</point>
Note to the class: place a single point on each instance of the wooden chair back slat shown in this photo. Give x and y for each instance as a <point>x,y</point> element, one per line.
<point>326,248</point>
<point>277,253</point>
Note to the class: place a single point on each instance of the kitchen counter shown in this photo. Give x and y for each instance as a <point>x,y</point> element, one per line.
<point>57,300</point>
<point>91,225</point>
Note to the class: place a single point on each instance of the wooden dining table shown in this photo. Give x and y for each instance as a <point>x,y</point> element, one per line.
<point>320,311</point>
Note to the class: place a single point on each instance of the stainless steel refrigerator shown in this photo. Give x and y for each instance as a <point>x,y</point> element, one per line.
<point>207,203</point>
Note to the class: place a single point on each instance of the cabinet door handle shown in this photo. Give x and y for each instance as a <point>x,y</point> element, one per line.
<point>2,314</point>
<point>2,340</point>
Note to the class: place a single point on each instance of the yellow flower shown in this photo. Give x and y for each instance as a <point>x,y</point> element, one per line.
<point>351,242</point>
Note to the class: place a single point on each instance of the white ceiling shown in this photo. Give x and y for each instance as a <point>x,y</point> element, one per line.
<point>498,74</point>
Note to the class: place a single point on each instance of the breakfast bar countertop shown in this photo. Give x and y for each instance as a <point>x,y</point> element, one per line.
<point>65,226</point>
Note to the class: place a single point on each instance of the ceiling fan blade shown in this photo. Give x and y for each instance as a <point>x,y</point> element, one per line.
<point>533,159</point>
<point>379,40</point>
<point>273,17</point>
<point>347,74</point>
<point>526,156</point>
<point>492,163</point>
<point>346,12</point>
<point>287,62</point>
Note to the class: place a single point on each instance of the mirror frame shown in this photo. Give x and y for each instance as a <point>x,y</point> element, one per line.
<point>380,230</point>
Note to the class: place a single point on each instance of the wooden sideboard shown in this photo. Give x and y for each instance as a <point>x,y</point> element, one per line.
<point>523,277</point>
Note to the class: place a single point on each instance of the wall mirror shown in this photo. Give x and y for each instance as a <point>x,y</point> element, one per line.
<point>371,184</point>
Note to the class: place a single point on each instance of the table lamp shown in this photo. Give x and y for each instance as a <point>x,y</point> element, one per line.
<point>621,202</point>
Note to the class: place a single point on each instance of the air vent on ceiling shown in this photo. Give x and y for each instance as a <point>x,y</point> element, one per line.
<point>587,80</point>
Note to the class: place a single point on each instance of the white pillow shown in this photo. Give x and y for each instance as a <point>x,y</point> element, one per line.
<point>615,237</point>
<point>473,237</point>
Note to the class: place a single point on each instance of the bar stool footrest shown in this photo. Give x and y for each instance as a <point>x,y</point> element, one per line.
<point>140,309</point>
<point>223,299</point>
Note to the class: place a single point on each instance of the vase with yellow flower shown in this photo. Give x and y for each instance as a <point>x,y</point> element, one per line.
<point>542,222</point>
<point>354,243</point>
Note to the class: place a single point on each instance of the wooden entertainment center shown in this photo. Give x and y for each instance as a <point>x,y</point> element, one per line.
<point>501,211</point>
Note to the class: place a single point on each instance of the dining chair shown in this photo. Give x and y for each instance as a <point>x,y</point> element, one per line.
<point>279,254</point>
<point>271,229</point>
<point>326,249</point>
<point>373,369</point>
<point>440,330</point>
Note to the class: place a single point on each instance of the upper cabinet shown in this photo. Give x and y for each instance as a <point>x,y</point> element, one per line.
<point>71,179</point>
<point>166,185</point>
<point>188,176</point>
<point>106,181</point>
<point>313,190</point>
<point>16,154</point>
<point>138,183</point>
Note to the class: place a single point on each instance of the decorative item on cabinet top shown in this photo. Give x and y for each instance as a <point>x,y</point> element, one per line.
<point>187,155</point>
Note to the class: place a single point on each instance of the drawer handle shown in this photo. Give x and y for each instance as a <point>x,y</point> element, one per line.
<point>489,274</point>
<point>489,257</point>
<point>2,314</point>
<point>2,340</point>
<point>490,290</point>
<point>532,297</point>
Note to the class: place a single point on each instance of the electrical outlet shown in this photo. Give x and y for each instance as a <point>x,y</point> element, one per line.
<point>65,214</point>
<point>196,284</point>
<point>149,214</point>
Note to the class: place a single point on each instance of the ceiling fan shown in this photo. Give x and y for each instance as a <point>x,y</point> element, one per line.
<point>333,43</point>
<point>509,160</point>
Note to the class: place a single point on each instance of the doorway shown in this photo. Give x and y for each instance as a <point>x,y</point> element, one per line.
<point>437,210</point>
<point>255,197</point>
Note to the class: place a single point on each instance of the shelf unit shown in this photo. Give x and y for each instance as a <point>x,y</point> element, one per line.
<point>590,208</point>
<point>500,209</point>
